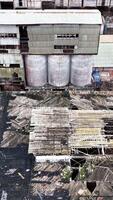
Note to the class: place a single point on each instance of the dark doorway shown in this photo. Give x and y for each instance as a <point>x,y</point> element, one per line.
<point>6,5</point>
<point>75,163</point>
<point>20,2</point>
<point>91,186</point>
<point>23,39</point>
<point>48,5</point>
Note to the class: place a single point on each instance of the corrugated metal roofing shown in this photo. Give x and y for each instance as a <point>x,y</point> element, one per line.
<point>59,130</point>
<point>50,17</point>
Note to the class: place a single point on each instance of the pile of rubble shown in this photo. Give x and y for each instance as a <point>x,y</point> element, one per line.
<point>19,113</point>
<point>18,117</point>
<point>20,106</point>
<point>91,101</point>
<point>101,191</point>
<point>46,182</point>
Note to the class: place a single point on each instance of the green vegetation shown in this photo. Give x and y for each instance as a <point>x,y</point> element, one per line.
<point>66,173</point>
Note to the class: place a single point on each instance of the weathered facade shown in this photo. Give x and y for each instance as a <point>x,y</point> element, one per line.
<point>52,31</point>
<point>10,57</point>
<point>54,35</point>
<point>57,31</point>
<point>11,60</point>
<point>9,39</point>
<point>64,39</point>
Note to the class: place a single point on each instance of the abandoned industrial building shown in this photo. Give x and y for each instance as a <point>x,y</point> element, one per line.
<point>31,47</point>
<point>64,52</point>
<point>56,138</point>
<point>62,31</point>
<point>51,4</point>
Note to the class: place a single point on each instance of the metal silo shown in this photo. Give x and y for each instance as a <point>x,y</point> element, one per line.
<point>36,70</point>
<point>58,70</point>
<point>81,70</point>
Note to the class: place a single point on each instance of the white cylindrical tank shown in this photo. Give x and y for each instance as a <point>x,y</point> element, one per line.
<point>36,70</point>
<point>58,70</point>
<point>81,70</point>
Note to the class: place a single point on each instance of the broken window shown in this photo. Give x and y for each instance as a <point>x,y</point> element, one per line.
<point>14,65</point>
<point>68,51</point>
<point>48,4</point>
<point>64,47</point>
<point>67,36</point>
<point>3,51</point>
<point>6,5</point>
<point>86,151</point>
<point>20,2</point>
<point>9,47</point>
<point>5,35</point>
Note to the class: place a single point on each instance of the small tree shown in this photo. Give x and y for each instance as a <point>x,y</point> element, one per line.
<point>66,173</point>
